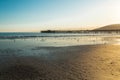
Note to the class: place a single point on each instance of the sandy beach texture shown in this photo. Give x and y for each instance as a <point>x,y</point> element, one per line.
<point>88,62</point>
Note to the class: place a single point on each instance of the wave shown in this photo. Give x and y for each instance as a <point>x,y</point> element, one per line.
<point>35,35</point>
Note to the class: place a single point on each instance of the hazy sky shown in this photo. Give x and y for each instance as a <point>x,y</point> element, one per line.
<point>36,15</point>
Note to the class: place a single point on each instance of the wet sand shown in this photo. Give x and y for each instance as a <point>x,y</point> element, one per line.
<point>88,62</point>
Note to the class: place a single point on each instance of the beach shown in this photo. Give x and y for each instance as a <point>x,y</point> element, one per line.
<point>85,62</point>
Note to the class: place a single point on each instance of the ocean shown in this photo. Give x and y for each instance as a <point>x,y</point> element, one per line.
<point>33,34</point>
<point>8,40</point>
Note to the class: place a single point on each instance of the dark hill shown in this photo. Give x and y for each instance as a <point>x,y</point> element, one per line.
<point>109,27</point>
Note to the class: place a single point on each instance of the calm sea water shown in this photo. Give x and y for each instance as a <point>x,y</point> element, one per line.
<point>21,40</point>
<point>27,44</point>
<point>25,35</point>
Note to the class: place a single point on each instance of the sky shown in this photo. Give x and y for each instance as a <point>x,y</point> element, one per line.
<point>37,15</point>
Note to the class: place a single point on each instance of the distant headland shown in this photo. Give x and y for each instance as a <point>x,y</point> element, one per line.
<point>106,29</point>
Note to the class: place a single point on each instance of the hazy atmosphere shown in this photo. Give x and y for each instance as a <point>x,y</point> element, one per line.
<point>36,15</point>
